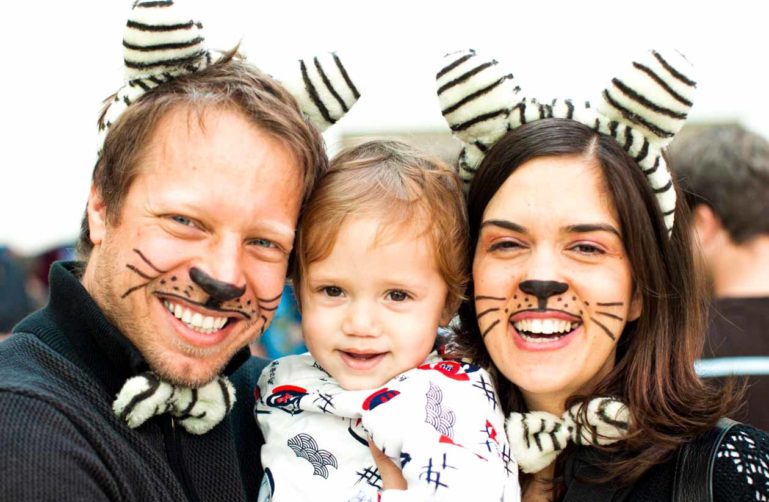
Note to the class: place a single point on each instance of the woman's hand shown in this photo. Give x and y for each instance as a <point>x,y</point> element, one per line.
<point>392,476</point>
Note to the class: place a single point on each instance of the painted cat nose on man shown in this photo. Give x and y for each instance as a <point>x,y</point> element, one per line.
<point>218,291</point>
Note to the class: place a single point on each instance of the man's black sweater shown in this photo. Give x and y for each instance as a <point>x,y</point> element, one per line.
<point>60,440</point>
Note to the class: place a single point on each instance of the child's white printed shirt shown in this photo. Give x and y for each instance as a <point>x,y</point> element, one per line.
<point>441,422</point>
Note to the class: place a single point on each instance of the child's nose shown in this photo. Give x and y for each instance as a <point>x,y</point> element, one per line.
<point>361,320</point>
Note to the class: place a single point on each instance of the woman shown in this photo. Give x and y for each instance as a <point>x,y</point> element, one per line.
<point>579,292</point>
<point>584,296</point>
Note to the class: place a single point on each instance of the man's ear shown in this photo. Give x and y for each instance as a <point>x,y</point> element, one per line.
<point>706,224</point>
<point>97,216</point>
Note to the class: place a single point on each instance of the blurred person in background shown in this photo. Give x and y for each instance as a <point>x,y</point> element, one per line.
<point>724,171</point>
<point>14,301</point>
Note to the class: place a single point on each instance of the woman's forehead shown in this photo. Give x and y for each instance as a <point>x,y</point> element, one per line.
<point>566,188</point>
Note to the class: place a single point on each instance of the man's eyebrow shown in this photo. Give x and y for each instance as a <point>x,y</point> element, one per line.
<point>592,227</point>
<point>507,225</point>
<point>278,228</point>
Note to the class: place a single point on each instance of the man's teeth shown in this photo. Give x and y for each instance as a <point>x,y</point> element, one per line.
<point>544,326</point>
<point>195,320</point>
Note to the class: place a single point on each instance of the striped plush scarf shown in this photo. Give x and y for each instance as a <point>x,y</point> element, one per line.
<point>537,437</point>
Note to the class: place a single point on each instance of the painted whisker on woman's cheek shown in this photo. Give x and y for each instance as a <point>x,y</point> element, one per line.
<point>487,330</point>
<point>604,328</point>
<point>487,311</point>
<point>611,316</point>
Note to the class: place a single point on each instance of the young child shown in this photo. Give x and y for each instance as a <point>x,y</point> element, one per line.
<point>381,263</point>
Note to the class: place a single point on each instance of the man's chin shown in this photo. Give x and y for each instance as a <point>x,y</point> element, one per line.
<point>187,371</point>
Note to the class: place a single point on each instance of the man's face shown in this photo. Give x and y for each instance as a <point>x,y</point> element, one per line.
<point>195,267</point>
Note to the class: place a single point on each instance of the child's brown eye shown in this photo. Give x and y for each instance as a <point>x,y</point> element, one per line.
<point>397,295</point>
<point>333,291</point>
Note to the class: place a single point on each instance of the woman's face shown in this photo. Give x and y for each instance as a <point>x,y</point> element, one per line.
<point>553,285</point>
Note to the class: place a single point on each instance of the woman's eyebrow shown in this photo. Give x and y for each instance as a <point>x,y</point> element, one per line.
<point>592,227</point>
<point>507,225</point>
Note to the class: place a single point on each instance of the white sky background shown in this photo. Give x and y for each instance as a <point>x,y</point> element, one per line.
<point>61,58</point>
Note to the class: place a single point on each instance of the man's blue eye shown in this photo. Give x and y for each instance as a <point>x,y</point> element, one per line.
<point>263,243</point>
<point>182,220</point>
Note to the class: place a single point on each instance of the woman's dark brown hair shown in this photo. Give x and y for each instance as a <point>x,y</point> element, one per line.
<point>654,371</point>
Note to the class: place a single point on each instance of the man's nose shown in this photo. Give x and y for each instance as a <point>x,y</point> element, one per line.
<point>220,273</point>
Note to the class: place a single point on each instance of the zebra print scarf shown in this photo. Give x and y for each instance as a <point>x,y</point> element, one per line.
<point>198,410</point>
<point>537,437</point>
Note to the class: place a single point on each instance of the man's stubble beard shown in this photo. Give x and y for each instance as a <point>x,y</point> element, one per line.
<point>118,312</point>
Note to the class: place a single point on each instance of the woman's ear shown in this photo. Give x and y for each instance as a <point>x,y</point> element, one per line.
<point>97,216</point>
<point>636,306</point>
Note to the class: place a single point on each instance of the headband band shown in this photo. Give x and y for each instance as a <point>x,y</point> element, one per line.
<point>161,42</point>
<point>642,110</point>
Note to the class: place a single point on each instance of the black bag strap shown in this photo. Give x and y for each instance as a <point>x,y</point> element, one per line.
<point>693,481</point>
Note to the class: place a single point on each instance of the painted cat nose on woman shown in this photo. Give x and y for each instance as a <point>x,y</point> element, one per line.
<point>543,290</point>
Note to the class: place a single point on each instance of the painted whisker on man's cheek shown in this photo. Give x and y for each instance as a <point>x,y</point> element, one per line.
<point>144,275</point>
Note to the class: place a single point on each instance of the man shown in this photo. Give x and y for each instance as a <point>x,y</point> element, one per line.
<point>186,242</point>
<point>725,172</point>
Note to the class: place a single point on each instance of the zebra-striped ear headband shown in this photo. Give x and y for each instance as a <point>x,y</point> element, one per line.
<point>162,42</point>
<point>642,109</point>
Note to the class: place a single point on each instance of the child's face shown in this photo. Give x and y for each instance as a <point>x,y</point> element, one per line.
<point>371,310</point>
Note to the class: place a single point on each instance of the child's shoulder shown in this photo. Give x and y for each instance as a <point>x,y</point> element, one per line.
<point>294,367</point>
<point>447,367</point>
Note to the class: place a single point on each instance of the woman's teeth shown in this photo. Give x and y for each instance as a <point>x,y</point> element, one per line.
<point>543,329</point>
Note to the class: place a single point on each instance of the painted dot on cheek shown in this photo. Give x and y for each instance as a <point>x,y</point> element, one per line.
<point>173,278</point>
<point>565,305</point>
<point>176,289</point>
<point>248,302</point>
<point>162,281</point>
<point>560,299</point>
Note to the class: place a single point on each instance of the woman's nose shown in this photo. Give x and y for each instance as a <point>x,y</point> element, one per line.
<point>543,290</point>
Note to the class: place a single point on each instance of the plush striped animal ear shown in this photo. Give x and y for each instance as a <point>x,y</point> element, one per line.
<point>642,110</point>
<point>161,41</point>
<point>646,107</point>
<point>323,89</point>
<point>476,97</point>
